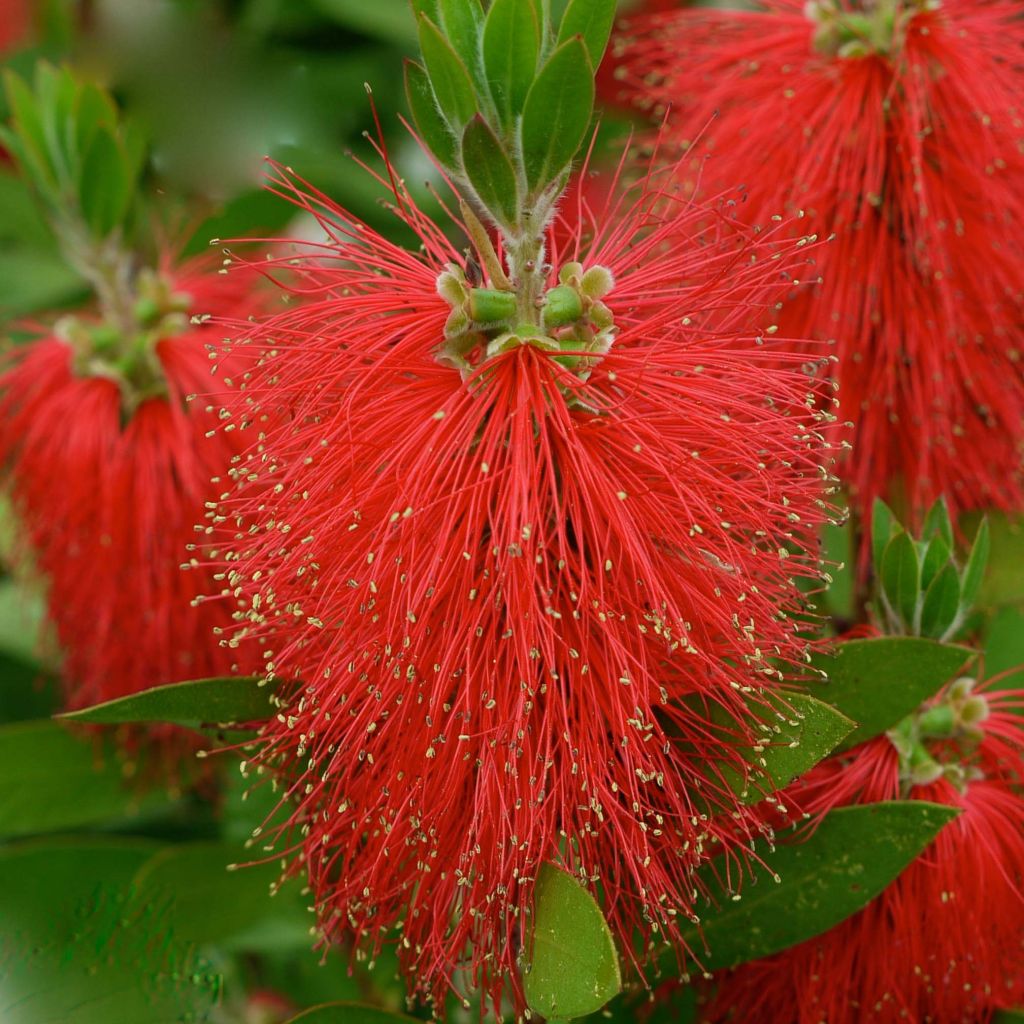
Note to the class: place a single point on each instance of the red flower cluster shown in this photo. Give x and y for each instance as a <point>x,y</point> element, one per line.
<point>514,584</point>
<point>109,473</point>
<point>944,943</point>
<point>896,126</point>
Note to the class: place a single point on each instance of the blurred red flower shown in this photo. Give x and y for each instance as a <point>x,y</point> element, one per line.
<point>109,466</point>
<point>896,126</point>
<point>15,23</point>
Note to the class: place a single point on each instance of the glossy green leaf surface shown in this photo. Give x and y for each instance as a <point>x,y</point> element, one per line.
<point>797,735</point>
<point>192,703</point>
<point>53,780</point>
<point>556,114</point>
<point>572,968</point>
<point>878,682</point>
<point>809,885</point>
<point>449,78</point>
<point>69,954</point>
<point>511,45</point>
<point>490,171</point>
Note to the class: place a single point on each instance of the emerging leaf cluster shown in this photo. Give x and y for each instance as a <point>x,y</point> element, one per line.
<point>504,100</point>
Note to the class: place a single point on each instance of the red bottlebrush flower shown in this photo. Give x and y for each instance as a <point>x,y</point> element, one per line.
<point>513,572</point>
<point>109,474</point>
<point>896,126</point>
<point>944,943</point>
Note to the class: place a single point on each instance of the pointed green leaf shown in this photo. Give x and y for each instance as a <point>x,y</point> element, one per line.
<point>797,735</point>
<point>977,562</point>
<point>193,703</point>
<point>556,114</point>
<point>104,186</point>
<point>936,555</point>
<point>572,967</point>
<point>453,88</point>
<point>941,602</point>
<point>490,172</point>
<point>31,149</point>
<point>462,22</point>
<point>349,1013</point>
<point>812,883</point>
<point>878,682</point>
<point>511,48</point>
<point>592,21</point>
<point>937,521</point>
<point>432,128</point>
<point>53,781</point>
<point>901,578</point>
<point>882,523</point>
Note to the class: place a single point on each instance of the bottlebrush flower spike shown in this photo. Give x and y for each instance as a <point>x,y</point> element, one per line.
<point>108,466</point>
<point>514,553</point>
<point>896,125</point>
<point>945,941</point>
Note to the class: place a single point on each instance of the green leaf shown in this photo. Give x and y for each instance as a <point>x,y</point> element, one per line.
<point>349,1013</point>
<point>941,601</point>
<point>511,48</point>
<point>211,901</point>
<point>68,952</point>
<point>572,969</point>
<point>878,682</point>
<point>432,128</point>
<point>105,185</point>
<point>490,172</point>
<point>462,22</point>
<point>837,549</point>
<point>805,887</point>
<point>937,521</point>
<point>592,21</point>
<point>52,780</point>
<point>977,562</point>
<point>901,578</point>
<point>882,528</point>
<point>801,733</point>
<point>1008,1017</point>
<point>556,114</point>
<point>32,150</point>
<point>449,79</point>
<point>193,703</point>
<point>936,555</point>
